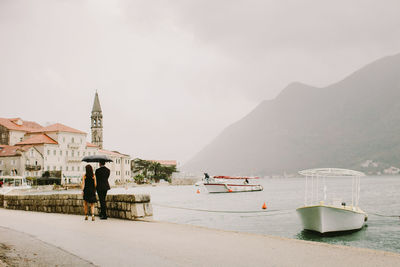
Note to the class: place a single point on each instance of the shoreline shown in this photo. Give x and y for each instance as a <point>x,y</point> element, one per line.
<point>148,243</point>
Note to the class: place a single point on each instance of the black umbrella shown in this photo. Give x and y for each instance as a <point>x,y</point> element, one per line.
<point>96,158</point>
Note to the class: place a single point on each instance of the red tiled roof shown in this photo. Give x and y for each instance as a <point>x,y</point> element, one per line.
<point>38,139</point>
<point>90,145</point>
<point>111,153</point>
<point>165,162</point>
<point>26,126</point>
<point>58,127</point>
<point>8,151</point>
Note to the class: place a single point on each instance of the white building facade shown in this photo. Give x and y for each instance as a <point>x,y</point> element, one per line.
<point>57,148</point>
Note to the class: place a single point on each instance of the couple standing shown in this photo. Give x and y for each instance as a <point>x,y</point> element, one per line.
<point>92,183</point>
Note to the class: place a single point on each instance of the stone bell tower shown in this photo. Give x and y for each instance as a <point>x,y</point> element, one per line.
<point>97,123</point>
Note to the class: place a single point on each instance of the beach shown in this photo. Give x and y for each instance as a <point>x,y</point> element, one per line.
<point>116,242</point>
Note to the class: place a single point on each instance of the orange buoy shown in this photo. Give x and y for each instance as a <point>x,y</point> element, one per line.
<point>198,191</point>
<point>264,206</point>
<point>230,190</point>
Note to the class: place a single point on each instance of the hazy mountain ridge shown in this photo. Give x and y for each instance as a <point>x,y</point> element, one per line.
<point>341,125</point>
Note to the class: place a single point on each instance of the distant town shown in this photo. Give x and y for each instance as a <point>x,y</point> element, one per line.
<point>31,150</point>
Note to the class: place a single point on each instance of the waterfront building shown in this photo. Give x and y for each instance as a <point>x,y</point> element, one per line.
<point>29,149</point>
<point>165,162</point>
<point>121,168</point>
<point>13,130</point>
<point>15,160</point>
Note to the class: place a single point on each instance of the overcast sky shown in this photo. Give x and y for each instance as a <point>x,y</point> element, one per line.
<point>171,75</point>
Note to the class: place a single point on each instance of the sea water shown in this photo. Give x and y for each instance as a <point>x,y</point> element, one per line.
<point>379,197</point>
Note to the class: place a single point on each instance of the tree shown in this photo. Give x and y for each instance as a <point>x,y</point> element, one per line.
<point>153,170</point>
<point>141,166</point>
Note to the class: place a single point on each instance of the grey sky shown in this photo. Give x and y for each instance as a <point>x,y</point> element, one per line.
<point>172,74</point>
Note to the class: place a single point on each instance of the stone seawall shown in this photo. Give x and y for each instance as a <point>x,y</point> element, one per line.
<point>128,207</point>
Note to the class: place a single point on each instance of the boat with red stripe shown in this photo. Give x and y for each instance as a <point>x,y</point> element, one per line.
<point>229,184</point>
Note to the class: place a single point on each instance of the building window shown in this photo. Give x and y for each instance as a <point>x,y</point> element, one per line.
<point>72,140</point>
<point>27,162</point>
<point>48,168</point>
<point>13,162</point>
<point>54,152</point>
<point>77,153</point>
<point>60,152</point>
<point>79,168</point>
<point>66,152</point>
<point>72,168</point>
<point>66,168</point>
<point>72,153</point>
<point>1,162</point>
<point>31,152</point>
<point>63,139</point>
<point>60,168</point>
<point>84,153</point>
<point>54,168</point>
<point>48,152</point>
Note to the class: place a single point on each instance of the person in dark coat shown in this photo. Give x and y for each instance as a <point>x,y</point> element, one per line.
<point>89,191</point>
<point>103,186</point>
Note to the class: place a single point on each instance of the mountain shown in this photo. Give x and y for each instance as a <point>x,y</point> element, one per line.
<point>341,125</point>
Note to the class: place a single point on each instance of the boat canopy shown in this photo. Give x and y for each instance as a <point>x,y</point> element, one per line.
<point>331,172</point>
<point>311,195</point>
<point>230,177</point>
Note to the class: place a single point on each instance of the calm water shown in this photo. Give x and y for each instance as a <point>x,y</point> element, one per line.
<point>380,195</point>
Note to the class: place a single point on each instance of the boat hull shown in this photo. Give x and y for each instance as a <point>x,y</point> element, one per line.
<point>228,188</point>
<point>324,219</point>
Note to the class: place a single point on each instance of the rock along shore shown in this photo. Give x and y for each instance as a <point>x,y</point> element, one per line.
<point>117,242</point>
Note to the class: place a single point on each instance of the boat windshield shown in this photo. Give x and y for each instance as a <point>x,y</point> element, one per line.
<point>13,180</point>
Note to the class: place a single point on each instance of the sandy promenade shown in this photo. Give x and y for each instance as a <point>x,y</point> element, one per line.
<point>114,242</point>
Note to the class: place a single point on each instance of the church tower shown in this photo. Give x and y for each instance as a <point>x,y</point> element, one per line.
<point>97,123</point>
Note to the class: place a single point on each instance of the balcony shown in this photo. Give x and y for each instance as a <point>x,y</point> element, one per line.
<point>29,167</point>
<point>74,159</point>
<point>74,145</point>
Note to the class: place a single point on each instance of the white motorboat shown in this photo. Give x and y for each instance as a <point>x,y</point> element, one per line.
<point>9,183</point>
<point>323,216</point>
<point>228,184</point>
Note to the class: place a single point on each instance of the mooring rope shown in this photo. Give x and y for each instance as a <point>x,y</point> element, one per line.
<point>274,212</point>
<point>218,211</point>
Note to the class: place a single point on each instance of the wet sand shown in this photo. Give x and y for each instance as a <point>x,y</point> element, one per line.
<point>116,242</point>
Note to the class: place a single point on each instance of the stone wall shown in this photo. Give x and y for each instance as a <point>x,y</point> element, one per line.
<point>128,207</point>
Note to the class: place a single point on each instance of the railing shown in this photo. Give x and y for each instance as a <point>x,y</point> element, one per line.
<point>29,167</point>
<point>74,145</point>
<point>73,158</point>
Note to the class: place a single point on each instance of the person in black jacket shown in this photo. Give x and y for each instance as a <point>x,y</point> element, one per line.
<point>103,186</point>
